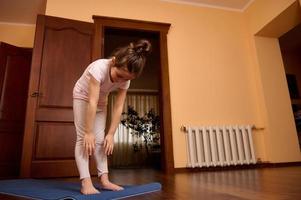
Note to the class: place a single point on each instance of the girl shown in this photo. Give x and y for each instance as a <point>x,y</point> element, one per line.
<point>89,105</point>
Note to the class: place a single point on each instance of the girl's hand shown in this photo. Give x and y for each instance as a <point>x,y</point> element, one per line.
<point>109,144</point>
<point>89,143</point>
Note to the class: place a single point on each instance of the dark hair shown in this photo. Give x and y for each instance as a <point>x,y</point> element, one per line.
<point>133,56</point>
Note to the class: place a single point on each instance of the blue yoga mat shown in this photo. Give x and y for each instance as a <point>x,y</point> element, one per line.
<point>53,190</point>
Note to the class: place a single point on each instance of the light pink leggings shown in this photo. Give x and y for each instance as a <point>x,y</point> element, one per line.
<point>82,161</point>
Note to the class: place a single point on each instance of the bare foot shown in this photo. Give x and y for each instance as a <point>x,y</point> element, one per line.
<point>110,186</point>
<point>87,187</point>
<point>106,184</point>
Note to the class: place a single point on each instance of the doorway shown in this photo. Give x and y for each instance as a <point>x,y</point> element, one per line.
<point>290,46</point>
<point>133,150</point>
<point>137,28</point>
<point>277,110</point>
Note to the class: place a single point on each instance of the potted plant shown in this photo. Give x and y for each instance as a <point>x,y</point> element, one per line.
<point>147,127</point>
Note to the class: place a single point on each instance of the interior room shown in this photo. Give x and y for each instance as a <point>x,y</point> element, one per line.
<point>213,112</point>
<point>290,45</point>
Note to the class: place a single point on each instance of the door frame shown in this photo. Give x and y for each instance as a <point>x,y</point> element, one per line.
<point>100,23</point>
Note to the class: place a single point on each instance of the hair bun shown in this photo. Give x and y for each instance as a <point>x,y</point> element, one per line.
<point>142,47</point>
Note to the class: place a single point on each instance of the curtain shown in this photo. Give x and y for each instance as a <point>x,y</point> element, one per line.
<point>124,155</point>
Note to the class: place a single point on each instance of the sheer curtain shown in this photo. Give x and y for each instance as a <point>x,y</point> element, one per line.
<point>124,155</point>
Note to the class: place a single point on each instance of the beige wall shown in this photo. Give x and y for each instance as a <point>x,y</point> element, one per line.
<point>21,35</point>
<point>261,12</point>
<point>215,74</point>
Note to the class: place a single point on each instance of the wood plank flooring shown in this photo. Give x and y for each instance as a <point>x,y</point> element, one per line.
<point>283,183</point>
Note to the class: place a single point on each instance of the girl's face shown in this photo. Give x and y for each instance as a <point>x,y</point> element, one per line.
<point>121,74</point>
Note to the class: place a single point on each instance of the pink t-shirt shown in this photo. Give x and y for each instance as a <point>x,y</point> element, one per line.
<point>100,70</point>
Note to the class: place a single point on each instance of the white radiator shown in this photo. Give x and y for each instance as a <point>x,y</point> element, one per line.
<point>219,146</point>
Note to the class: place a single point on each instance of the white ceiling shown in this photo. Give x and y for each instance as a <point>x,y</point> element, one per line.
<point>235,5</point>
<point>21,11</point>
<point>25,11</point>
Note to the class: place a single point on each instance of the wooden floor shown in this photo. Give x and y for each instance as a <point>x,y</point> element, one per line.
<point>283,183</point>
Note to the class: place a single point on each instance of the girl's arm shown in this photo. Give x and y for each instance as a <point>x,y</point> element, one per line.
<point>93,95</point>
<point>118,107</point>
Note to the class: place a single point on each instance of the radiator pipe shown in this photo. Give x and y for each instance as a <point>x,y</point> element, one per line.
<point>185,128</point>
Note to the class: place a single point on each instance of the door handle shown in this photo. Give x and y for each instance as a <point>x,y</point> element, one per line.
<point>36,94</point>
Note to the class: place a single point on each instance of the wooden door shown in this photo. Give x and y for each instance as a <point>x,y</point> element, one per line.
<point>62,51</point>
<point>14,76</point>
